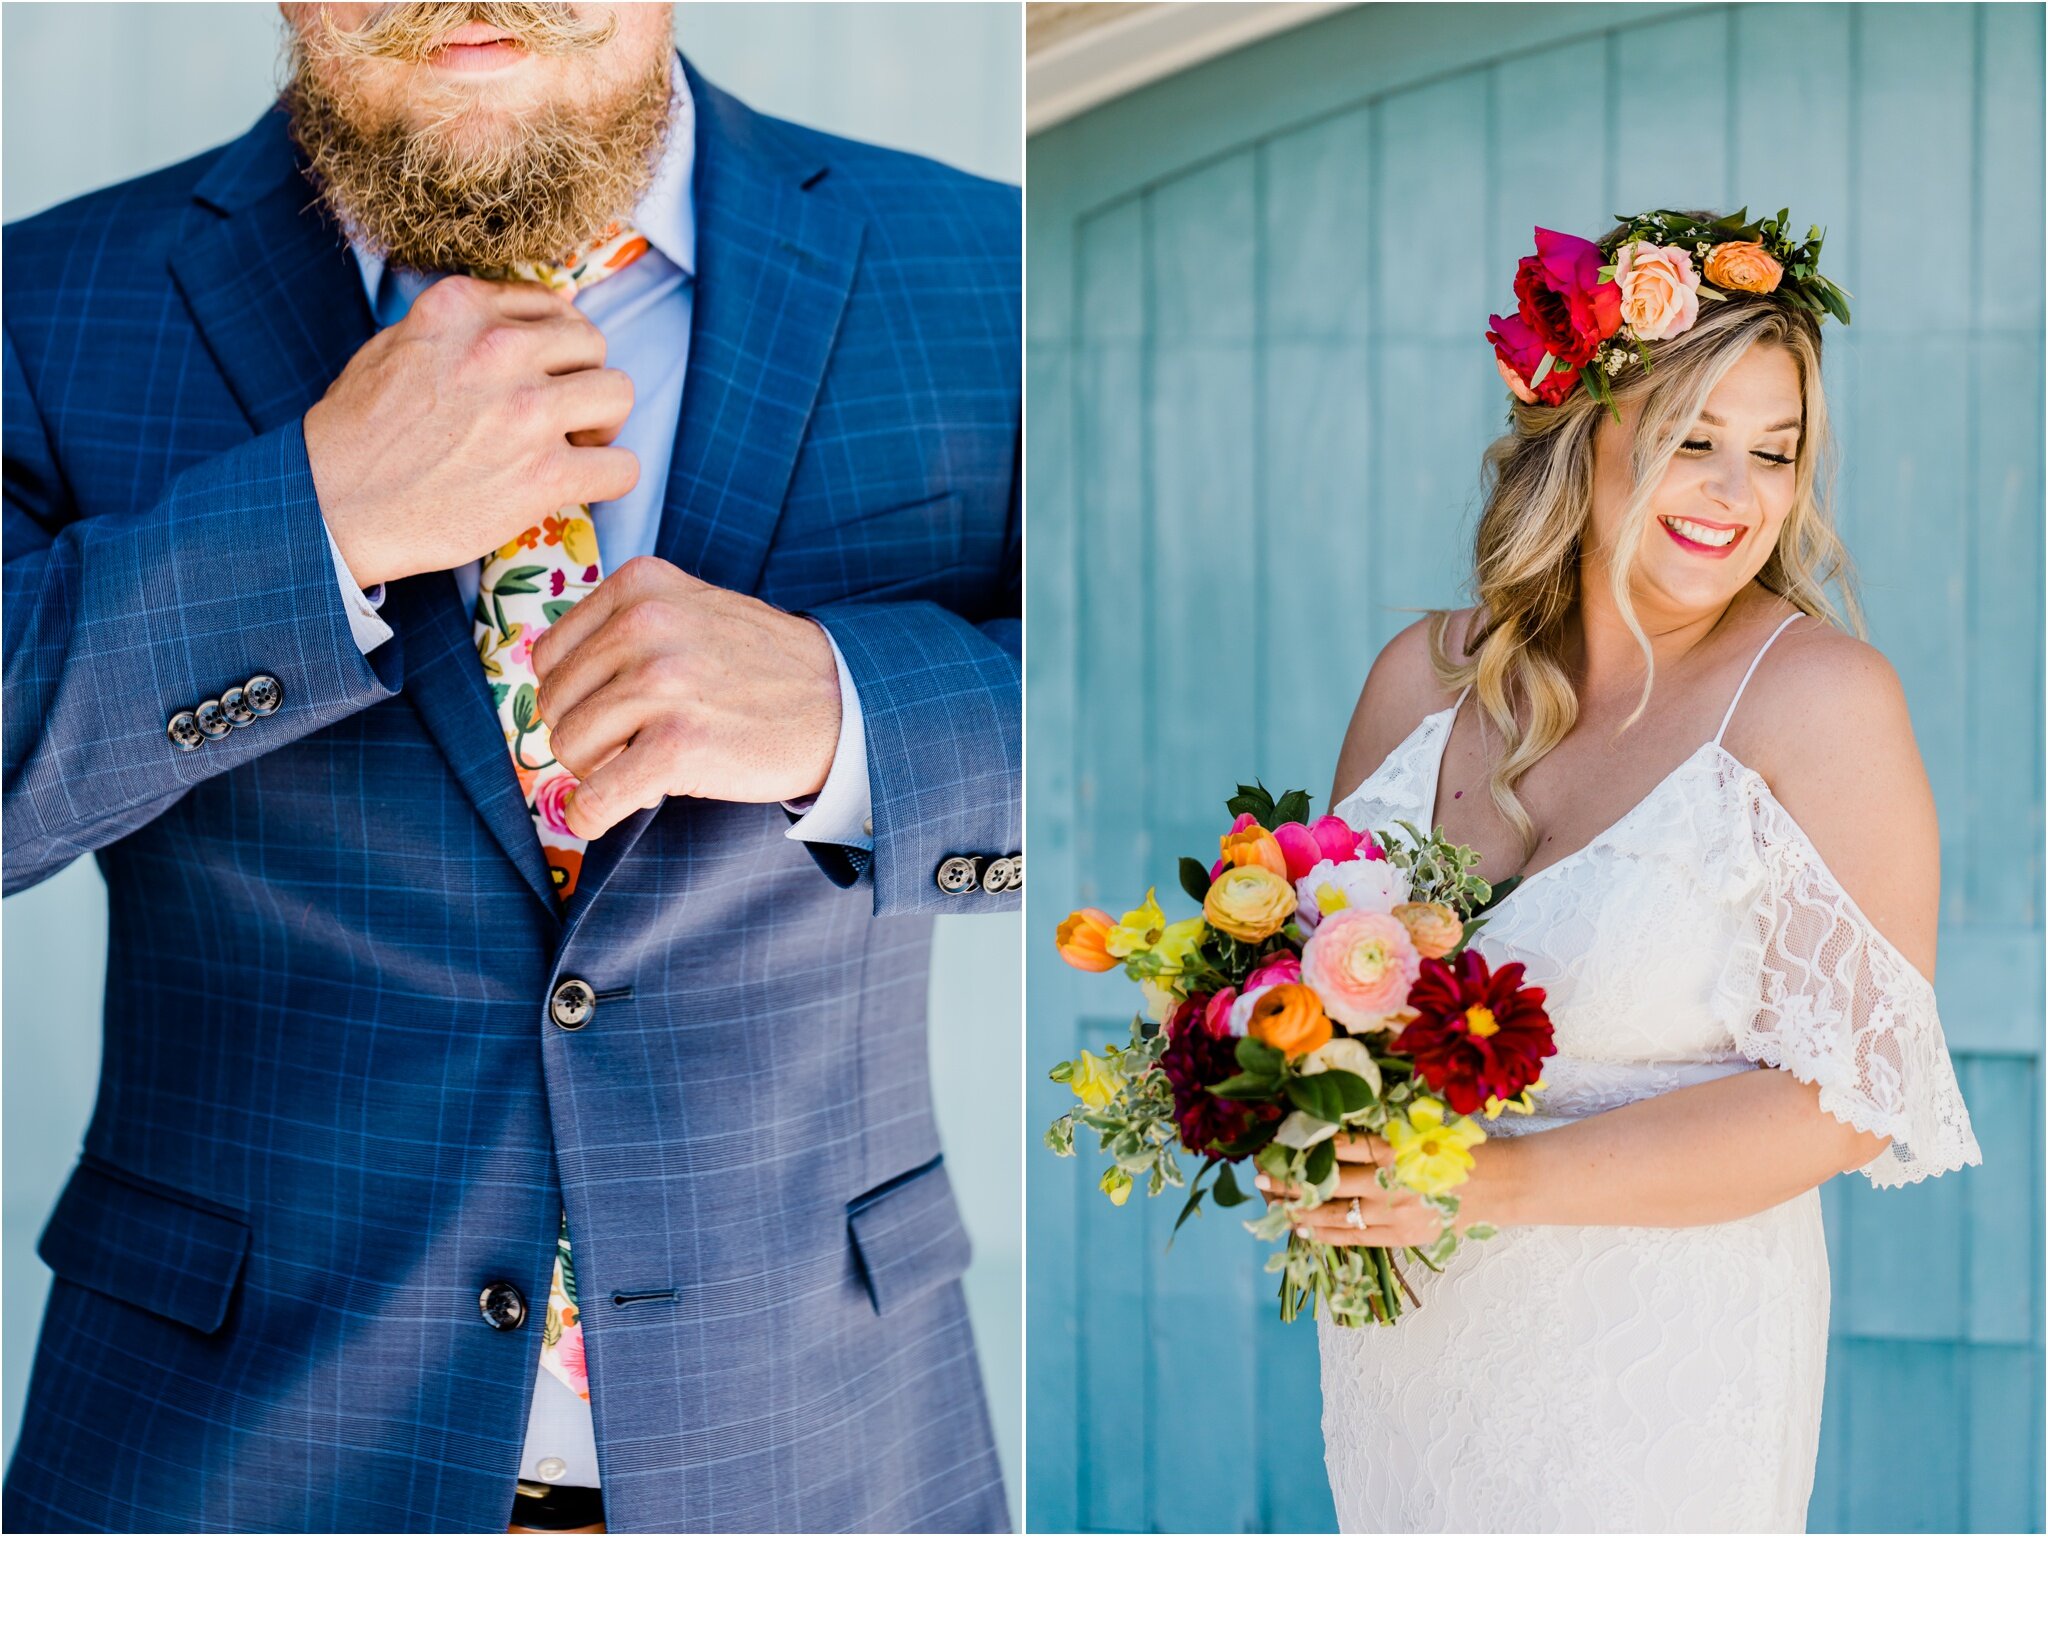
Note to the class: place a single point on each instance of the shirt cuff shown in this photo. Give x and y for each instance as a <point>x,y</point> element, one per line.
<point>841,814</point>
<point>364,622</point>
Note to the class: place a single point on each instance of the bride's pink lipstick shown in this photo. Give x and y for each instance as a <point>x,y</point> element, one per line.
<point>1695,546</point>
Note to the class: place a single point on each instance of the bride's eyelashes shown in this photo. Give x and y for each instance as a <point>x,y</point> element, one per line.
<point>1697,445</point>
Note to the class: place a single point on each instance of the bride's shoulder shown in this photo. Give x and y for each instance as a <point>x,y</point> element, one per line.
<point>1824,721</point>
<point>1400,690</point>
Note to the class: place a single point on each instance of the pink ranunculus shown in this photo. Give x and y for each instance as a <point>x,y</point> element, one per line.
<point>1298,847</point>
<point>1277,968</point>
<point>1216,1015</point>
<point>1659,290</point>
<point>1562,300</point>
<point>1361,965</point>
<point>1217,868</point>
<point>1340,843</point>
<point>1244,822</point>
<point>551,799</point>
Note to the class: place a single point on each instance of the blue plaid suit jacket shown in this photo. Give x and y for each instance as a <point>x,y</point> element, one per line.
<point>333,1107</point>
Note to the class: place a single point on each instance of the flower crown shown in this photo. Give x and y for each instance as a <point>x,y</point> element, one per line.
<point>1584,316</point>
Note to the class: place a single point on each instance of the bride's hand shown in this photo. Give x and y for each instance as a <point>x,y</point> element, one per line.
<point>1390,1216</point>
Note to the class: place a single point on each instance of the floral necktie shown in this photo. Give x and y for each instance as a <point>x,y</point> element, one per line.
<point>525,586</point>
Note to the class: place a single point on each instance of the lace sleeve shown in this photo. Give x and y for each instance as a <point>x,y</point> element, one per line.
<point>1813,988</point>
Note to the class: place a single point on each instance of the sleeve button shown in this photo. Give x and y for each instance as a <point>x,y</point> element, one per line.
<point>213,720</point>
<point>958,874</point>
<point>264,694</point>
<point>184,731</point>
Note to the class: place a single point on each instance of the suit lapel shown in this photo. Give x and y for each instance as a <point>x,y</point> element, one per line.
<point>275,292</point>
<point>774,268</point>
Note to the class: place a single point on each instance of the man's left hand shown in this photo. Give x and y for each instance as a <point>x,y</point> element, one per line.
<point>660,684</point>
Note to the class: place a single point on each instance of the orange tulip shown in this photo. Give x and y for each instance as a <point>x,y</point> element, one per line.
<point>1253,847</point>
<point>1289,1017</point>
<point>1082,939</point>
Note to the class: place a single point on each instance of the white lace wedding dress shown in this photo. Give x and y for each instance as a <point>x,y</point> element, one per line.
<point>1580,1379</point>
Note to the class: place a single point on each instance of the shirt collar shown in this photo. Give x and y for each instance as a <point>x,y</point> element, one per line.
<point>666,212</point>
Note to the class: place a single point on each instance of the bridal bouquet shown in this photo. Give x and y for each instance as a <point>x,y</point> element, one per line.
<point>1325,989</point>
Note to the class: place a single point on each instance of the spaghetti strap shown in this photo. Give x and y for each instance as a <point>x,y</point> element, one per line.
<point>1759,659</point>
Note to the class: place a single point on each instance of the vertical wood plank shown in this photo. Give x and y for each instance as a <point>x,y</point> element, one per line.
<point>1892,1388</point>
<point>1672,78</point>
<point>2003,1202</point>
<point>2004,1493</point>
<point>1204,440</point>
<point>1111,629</point>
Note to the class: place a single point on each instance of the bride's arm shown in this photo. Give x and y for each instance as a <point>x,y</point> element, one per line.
<point>1829,731</point>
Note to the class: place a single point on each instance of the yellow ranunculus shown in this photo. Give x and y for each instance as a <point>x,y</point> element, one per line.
<point>1429,1155</point>
<point>1248,903</point>
<point>1096,1080</point>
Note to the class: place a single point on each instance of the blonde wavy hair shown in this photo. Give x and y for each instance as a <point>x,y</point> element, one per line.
<point>1537,485</point>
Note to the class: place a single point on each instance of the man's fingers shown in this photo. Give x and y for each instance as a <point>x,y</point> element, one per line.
<point>590,399</point>
<point>593,474</point>
<point>634,778</point>
<point>598,727</point>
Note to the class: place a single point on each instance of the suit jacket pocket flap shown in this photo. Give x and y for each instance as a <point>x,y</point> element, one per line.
<point>120,1236</point>
<point>908,1236</point>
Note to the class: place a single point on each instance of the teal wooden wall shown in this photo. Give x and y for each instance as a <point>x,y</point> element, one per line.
<point>1258,398</point>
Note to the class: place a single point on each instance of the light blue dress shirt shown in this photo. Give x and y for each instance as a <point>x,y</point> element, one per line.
<point>644,313</point>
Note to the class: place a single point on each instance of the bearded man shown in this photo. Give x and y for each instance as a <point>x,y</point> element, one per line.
<point>512,569</point>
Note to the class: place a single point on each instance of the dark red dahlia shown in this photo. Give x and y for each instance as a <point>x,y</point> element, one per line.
<point>1194,1059</point>
<point>1480,1032</point>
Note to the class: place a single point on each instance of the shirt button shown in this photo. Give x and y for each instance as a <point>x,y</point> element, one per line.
<point>502,1305</point>
<point>551,1470</point>
<point>572,1004</point>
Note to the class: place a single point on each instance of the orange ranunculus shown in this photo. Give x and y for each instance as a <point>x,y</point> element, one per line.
<point>1289,1017</point>
<point>1740,265</point>
<point>1081,939</point>
<point>1252,847</point>
<point>1434,928</point>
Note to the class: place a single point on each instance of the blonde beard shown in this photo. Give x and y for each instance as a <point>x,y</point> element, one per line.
<point>423,200</point>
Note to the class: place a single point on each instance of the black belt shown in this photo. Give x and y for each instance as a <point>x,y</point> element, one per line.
<point>556,1505</point>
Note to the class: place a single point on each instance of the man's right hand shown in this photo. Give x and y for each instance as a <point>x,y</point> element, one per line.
<point>483,409</point>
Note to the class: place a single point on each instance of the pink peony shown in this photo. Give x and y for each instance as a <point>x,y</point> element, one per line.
<point>1562,300</point>
<point>1363,883</point>
<point>1361,965</point>
<point>1340,843</point>
<point>1518,351</point>
<point>551,799</point>
<point>1298,847</point>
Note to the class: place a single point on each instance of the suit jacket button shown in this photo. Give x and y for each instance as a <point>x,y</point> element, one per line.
<point>184,731</point>
<point>213,720</point>
<point>572,1003</point>
<point>235,706</point>
<point>502,1304</point>
<point>1016,872</point>
<point>996,878</point>
<point>264,693</point>
<point>957,875</point>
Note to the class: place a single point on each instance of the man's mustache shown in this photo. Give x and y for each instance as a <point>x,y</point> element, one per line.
<point>412,31</point>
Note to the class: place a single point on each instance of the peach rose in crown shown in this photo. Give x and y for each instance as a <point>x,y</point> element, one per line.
<point>1740,265</point>
<point>1361,964</point>
<point>1659,290</point>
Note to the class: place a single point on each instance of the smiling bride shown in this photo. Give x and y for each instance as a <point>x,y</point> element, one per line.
<point>1730,884</point>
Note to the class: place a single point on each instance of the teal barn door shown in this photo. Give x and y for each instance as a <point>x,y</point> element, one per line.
<point>1258,399</point>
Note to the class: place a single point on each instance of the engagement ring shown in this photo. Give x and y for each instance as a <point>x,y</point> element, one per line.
<point>1354,1218</point>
